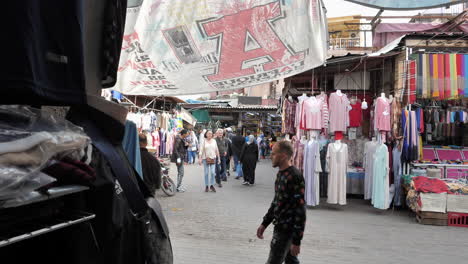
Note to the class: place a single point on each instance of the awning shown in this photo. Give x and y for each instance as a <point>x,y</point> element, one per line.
<point>187,117</point>
<point>406,4</point>
<point>202,116</point>
<point>390,47</point>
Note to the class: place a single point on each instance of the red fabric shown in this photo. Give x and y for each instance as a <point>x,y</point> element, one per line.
<point>412,82</point>
<point>355,115</point>
<point>338,135</point>
<point>430,185</point>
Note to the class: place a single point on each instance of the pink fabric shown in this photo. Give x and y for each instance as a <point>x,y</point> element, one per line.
<point>449,154</point>
<point>382,114</point>
<point>429,154</point>
<point>326,113</point>
<point>338,108</point>
<point>313,111</point>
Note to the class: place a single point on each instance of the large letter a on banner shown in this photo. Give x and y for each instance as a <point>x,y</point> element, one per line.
<point>235,58</point>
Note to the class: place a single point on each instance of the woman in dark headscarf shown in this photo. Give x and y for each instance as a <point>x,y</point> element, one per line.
<point>249,158</point>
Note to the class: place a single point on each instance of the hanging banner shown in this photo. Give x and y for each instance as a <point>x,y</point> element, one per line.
<point>181,47</point>
<point>405,4</point>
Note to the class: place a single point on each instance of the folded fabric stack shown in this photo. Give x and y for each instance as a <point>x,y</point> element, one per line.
<point>31,140</point>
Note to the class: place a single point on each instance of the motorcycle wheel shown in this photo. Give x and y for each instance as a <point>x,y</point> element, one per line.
<point>168,186</point>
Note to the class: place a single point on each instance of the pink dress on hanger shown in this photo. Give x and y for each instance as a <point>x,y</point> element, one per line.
<point>382,114</point>
<point>339,107</point>
<point>313,114</point>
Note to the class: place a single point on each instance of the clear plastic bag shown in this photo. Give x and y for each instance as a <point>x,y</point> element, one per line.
<point>29,138</point>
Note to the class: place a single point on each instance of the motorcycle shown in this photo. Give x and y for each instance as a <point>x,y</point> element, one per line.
<point>167,184</point>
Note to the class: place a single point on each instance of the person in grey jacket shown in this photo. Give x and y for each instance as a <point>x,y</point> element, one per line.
<point>223,152</point>
<point>178,156</point>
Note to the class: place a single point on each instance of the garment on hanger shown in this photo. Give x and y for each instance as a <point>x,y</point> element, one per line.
<point>314,112</point>
<point>312,168</point>
<point>289,117</point>
<point>369,156</point>
<point>337,164</point>
<point>299,132</point>
<point>382,114</point>
<point>339,107</point>
<point>381,181</point>
<point>355,115</point>
<point>397,171</point>
<point>326,112</point>
<point>298,158</point>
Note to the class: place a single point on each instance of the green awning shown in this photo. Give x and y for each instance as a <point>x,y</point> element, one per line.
<point>201,116</point>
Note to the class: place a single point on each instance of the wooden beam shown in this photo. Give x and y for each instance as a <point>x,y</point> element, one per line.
<point>377,16</point>
<point>402,17</point>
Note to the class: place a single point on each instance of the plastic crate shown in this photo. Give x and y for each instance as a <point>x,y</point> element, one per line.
<point>457,219</point>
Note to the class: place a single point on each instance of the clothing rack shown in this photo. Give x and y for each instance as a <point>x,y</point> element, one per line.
<point>23,230</point>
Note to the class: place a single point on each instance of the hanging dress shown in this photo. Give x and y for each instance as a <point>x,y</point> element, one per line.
<point>337,163</point>
<point>312,169</point>
<point>381,183</point>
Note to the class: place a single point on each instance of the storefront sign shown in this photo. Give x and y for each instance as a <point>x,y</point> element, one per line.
<point>405,4</point>
<point>190,46</point>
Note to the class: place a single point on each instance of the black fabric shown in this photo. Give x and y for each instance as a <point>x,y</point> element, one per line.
<point>249,158</point>
<point>238,143</point>
<point>151,170</point>
<point>43,52</point>
<point>124,237</point>
<point>114,20</point>
<point>180,150</point>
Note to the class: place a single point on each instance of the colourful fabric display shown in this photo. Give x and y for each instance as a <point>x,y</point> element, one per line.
<point>441,73</point>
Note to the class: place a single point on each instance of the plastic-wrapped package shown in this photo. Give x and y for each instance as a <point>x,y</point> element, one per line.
<point>29,138</point>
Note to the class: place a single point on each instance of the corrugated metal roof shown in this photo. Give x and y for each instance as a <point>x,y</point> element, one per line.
<point>226,107</point>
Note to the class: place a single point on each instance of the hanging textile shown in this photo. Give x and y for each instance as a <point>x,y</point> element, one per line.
<point>381,181</point>
<point>369,153</point>
<point>131,145</point>
<point>312,169</point>
<point>441,75</point>
<point>337,164</point>
<point>339,107</point>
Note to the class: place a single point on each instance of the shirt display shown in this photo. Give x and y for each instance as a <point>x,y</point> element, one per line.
<point>289,117</point>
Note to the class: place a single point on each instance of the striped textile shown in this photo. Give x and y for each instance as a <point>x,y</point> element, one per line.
<point>448,83</point>
<point>425,78</point>
<point>419,83</point>
<point>465,74</point>
<point>433,81</point>
<point>460,78</point>
<point>441,75</point>
<point>412,81</point>
<point>453,76</point>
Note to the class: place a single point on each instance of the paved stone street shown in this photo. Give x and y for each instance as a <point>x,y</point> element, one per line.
<point>220,228</point>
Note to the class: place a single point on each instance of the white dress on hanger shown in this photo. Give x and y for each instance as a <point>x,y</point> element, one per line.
<point>337,165</point>
<point>312,168</point>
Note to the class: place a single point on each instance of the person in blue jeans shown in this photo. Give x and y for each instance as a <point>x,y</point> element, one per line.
<point>192,148</point>
<point>209,155</point>
<point>237,144</point>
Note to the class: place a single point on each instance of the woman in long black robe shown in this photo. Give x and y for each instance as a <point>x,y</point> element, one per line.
<point>249,158</point>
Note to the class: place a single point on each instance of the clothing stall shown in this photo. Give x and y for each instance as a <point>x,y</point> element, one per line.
<point>68,193</point>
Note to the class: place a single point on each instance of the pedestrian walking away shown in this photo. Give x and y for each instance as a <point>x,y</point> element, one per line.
<point>178,157</point>
<point>209,154</point>
<point>249,158</point>
<point>237,144</point>
<point>287,211</point>
<point>192,147</point>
